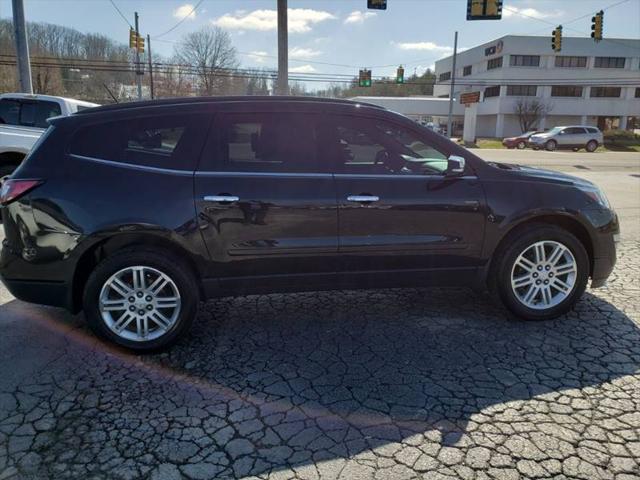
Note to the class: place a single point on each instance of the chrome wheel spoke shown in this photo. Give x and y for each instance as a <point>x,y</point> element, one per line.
<point>557,252</point>
<point>536,279</point>
<point>135,312</point>
<point>114,305</point>
<point>522,281</point>
<point>120,287</point>
<point>526,264</point>
<point>565,269</point>
<point>540,253</point>
<point>124,321</point>
<point>560,285</point>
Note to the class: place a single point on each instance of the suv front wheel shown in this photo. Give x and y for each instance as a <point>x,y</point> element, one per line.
<point>141,299</point>
<point>541,272</point>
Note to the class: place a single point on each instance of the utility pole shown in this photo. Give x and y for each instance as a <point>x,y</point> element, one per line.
<point>138,70</point>
<point>150,66</point>
<point>22,46</point>
<point>283,49</point>
<point>453,82</point>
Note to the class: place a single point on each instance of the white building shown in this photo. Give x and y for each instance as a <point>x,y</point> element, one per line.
<point>587,82</point>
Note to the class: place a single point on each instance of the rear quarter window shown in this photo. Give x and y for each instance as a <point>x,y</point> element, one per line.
<point>171,142</point>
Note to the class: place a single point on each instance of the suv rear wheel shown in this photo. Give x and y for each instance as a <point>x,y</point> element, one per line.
<point>141,299</point>
<point>541,272</point>
<point>591,146</point>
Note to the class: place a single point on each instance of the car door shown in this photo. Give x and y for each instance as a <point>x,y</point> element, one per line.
<point>402,220</point>
<point>266,208</point>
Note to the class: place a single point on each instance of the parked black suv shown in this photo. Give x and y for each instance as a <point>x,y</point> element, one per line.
<point>135,212</point>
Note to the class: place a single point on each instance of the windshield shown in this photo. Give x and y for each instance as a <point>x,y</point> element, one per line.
<point>555,130</point>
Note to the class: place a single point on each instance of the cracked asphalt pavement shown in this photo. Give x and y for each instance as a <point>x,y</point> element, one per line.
<point>418,383</point>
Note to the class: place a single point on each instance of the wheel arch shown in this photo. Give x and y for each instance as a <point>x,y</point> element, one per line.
<point>12,158</point>
<point>103,248</point>
<point>566,222</point>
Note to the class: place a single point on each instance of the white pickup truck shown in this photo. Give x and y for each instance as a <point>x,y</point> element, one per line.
<point>23,119</point>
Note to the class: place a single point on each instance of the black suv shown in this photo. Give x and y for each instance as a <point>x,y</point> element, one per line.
<point>136,212</point>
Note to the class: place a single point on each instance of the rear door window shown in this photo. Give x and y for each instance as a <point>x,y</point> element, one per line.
<point>171,142</point>
<point>264,142</point>
<point>574,131</point>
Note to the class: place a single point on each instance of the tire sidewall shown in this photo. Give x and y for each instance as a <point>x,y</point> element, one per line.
<point>591,142</point>
<point>163,262</point>
<point>516,246</point>
<point>551,145</point>
<point>521,146</point>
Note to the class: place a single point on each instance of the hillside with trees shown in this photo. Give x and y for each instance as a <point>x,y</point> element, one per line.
<point>95,68</point>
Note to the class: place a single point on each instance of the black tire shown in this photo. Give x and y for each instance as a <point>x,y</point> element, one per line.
<point>536,148</point>
<point>521,145</point>
<point>513,246</point>
<point>551,145</point>
<point>591,146</point>
<point>6,170</point>
<point>575,149</point>
<point>161,260</point>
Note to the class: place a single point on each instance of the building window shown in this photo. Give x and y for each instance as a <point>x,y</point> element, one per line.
<point>494,63</point>
<point>609,62</point>
<point>444,76</point>
<point>524,60</point>
<point>637,92</point>
<point>566,91</point>
<point>522,90</point>
<point>492,91</point>
<point>609,92</point>
<point>466,71</point>
<point>565,61</point>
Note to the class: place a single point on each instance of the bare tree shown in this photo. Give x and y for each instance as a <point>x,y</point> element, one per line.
<point>530,112</point>
<point>211,54</point>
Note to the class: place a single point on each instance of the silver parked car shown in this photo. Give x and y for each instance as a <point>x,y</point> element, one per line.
<point>574,137</point>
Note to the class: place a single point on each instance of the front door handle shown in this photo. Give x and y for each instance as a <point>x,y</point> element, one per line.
<point>363,198</point>
<point>221,198</point>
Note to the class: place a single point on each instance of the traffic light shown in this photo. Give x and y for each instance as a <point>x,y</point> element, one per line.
<point>400,75</point>
<point>132,38</point>
<point>140,45</point>
<point>377,4</point>
<point>596,26</point>
<point>484,9</point>
<point>556,39</point>
<point>364,79</point>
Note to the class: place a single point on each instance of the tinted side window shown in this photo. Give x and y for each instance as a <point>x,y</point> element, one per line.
<point>172,141</point>
<point>574,131</point>
<point>9,112</point>
<point>267,142</point>
<point>366,146</point>
<point>592,130</point>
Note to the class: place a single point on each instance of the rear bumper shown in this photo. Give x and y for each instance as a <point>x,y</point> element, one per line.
<point>21,279</point>
<point>33,291</point>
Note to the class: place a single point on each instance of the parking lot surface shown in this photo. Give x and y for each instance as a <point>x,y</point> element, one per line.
<point>418,383</point>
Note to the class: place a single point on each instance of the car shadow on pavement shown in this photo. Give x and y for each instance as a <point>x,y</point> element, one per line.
<point>265,383</point>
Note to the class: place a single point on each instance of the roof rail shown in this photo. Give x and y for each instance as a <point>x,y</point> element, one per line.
<point>237,98</point>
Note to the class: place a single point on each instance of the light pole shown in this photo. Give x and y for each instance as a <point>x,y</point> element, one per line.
<point>453,82</point>
<point>22,46</point>
<point>283,50</point>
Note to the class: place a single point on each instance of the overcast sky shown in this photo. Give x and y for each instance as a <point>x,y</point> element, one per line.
<point>414,33</point>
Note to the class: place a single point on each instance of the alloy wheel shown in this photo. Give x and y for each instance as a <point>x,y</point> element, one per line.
<point>544,275</point>
<point>139,303</point>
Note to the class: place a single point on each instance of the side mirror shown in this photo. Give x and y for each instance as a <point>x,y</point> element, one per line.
<point>455,166</point>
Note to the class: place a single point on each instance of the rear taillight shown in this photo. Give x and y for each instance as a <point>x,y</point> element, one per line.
<point>13,189</point>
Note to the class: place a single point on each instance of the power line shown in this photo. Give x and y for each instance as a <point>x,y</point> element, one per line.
<point>179,22</point>
<point>121,14</point>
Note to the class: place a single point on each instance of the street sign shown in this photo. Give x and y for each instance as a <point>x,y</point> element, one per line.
<point>469,97</point>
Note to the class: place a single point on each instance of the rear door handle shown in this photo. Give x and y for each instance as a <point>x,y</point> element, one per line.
<point>221,198</point>
<point>363,198</point>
